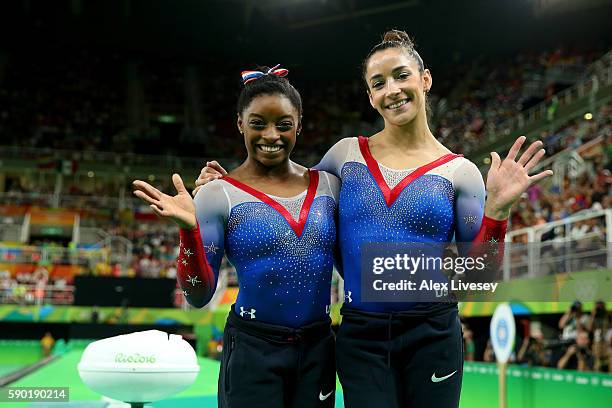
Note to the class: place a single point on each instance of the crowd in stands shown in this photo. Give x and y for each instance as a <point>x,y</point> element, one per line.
<point>112,102</point>
<point>588,190</point>
<point>91,101</point>
<point>496,90</point>
<point>34,288</point>
<point>155,248</point>
<point>542,203</point>
<point>95,101</point>
<point>155,242</point>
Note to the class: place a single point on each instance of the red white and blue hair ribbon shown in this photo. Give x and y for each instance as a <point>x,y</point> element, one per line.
<point>248,76</point>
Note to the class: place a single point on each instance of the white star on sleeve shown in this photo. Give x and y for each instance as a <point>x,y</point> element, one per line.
<point>193,280</point>
<point>211,248</point>
<point>187,252</point>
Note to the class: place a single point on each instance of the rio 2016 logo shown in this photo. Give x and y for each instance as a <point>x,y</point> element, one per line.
<point>134,358</point>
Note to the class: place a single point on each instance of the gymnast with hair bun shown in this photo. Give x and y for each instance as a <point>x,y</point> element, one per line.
<point>403,186</point>
<point>275,221</point>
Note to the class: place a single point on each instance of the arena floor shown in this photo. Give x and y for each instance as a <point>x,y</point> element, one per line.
<point>63,373</point>
<point>535,387</point>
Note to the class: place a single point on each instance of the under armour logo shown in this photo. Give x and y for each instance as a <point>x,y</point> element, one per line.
<point>347,296</point>
<point>243,312</point>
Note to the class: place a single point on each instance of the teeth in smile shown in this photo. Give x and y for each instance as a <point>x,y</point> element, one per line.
<point>269,149</point>
<point>398,104</point>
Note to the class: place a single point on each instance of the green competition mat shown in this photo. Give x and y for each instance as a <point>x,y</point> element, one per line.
<point>17,354</point>
<point>63,373</point>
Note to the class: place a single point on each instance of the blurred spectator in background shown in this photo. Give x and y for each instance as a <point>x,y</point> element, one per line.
<point>573,321</point>
<point>468,343</point>
<point>599,326</point>
<point>578,355</point>
<point>489,354</point>
<point>46,344</point>
<point>533,351</point>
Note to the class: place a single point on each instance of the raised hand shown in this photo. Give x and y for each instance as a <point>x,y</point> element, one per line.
<point>508,179</point>
<point>180,208</point>
<point>212,171</point>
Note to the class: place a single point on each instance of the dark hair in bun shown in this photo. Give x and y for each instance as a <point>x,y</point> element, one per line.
<point>268,85</point>
<point>398,36</point>
<point>393,39</point>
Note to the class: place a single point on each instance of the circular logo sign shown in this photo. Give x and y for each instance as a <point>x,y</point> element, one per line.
<point>502,332</point>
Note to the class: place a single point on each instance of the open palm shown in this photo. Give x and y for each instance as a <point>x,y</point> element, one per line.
<point>508,179</point>
<point>180,208</point>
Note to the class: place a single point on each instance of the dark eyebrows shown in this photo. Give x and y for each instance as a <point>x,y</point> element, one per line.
<point>401,67</point>
<point>373,77</point>
<point>252,114</point>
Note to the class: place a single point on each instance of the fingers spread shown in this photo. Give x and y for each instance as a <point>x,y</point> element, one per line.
<point>495,160</point>
<point>157,210</point>
<point>145,197</point>
<point>533,148</point>
<point>540,176</point>
<point>535,159</point>
<point>148,189</point>
<point>178,184</point>
<point>515,148</point>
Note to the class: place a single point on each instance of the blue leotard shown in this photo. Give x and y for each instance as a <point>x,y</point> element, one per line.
<point>282,249</point>
<point>445,201</point>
